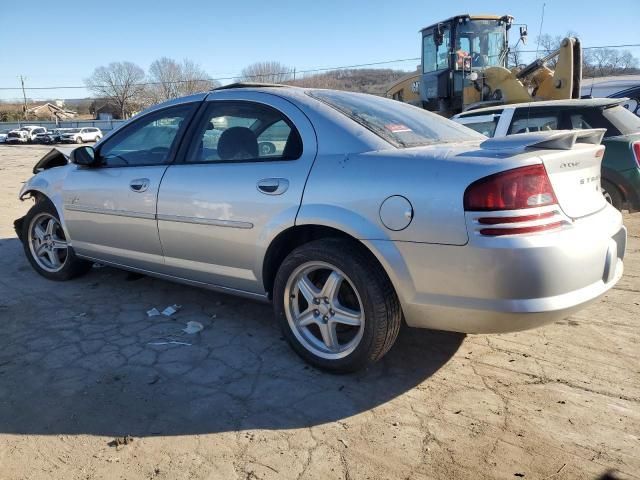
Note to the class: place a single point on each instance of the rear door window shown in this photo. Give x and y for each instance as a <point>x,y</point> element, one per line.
<point>487,128</point>
<point>525,121</point>
<point>236,131</point>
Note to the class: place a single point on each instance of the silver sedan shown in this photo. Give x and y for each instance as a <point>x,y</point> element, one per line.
<point>349,212</point>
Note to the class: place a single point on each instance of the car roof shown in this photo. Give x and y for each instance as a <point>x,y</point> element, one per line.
<point>575,102</point>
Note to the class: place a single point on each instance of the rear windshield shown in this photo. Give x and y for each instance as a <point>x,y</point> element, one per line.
<point>622,119</point>
<point>398,123</point>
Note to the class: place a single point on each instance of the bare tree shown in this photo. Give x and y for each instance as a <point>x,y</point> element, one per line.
<point>121,83</point>
<point>165,75</point>
<point>271,72</point>
<point>514,57</point>
<point>194,79</point>
<point>600,62</point>
<point>547,44</point>
<point>169,79</point>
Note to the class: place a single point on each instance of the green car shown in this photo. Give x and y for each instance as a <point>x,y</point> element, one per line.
<point>620,177</point>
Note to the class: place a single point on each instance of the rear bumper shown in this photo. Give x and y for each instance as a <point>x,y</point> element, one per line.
<point>500,284</point>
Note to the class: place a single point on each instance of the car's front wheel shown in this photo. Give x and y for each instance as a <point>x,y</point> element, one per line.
<point>78,139</point>
<point>336,306</point>
<point>46,246</point>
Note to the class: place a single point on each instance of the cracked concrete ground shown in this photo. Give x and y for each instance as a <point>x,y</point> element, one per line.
<point>77,369</point>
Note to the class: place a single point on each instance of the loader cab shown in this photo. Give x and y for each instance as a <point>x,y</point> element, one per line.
<point>452,50</point>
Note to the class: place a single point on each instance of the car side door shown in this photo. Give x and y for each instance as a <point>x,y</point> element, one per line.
<point>110,209</point>
<point>238,183</point>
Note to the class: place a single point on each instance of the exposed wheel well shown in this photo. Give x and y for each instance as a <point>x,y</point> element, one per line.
<point>292,238</point>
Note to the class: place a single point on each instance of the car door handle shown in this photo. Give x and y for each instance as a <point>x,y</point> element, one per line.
<point>273,186</point>
<point>139,185</point>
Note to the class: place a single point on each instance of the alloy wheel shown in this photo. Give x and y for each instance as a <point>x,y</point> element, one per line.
<point>47,243</point>
<point>324,310</point>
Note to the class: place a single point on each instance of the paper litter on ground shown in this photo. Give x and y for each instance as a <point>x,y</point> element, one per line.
<point>193,327</point>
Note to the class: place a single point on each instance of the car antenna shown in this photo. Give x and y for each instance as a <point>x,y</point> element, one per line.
<point>537,50</point>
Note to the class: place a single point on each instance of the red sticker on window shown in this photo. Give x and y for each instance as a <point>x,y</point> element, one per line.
<point>397,128</point>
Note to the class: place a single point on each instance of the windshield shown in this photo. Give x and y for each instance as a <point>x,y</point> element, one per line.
<point>482,40</point>
<point>622,119</point>
<point>72,130</point>
<point>398,123</point>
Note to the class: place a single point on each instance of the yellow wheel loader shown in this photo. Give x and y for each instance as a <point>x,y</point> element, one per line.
<point>464,66</point>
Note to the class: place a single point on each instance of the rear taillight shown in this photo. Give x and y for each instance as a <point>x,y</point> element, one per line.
<point>518,189</point>
<point>636,152</point>
<point>524,187</point>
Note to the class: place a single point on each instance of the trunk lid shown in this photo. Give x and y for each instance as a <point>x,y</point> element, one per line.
<point>572,159</point>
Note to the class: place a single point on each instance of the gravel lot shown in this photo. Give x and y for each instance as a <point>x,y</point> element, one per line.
<point>77,370</point>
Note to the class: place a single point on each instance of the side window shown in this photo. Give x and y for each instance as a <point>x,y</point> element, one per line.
<point>148,140</point>
<point>244,131</point>
<point>429,54</point>
<point>443,51</point>
<point>487,128</point>
<point>579,122</point>
<point>535,122</point>
<point>273,139</point>
<point>435,57</point>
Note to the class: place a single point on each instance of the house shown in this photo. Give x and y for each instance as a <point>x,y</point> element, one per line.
<point>103,109</point>
<point>49,111</point>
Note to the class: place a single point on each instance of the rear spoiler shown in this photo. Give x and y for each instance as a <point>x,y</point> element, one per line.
<point>553,140</point>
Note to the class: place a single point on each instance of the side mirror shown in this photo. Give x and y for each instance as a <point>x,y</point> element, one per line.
<point>523,34</point>
<point>84,156</point>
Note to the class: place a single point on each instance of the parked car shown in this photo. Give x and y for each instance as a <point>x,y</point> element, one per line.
<point>49,137</point>
<point>3,135</point>
<point>373,211</point>
<point>631,99</point>
<point>26,134</point>
<point>81,135</point>
<point>621,162</point>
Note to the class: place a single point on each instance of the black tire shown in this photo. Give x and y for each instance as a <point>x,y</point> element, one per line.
<point>79,140</point>
<point>612,194</point>
<point>72,266</point>
<point>380,305</point>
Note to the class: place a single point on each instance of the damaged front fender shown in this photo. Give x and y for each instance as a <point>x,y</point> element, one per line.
<point>54,158</point>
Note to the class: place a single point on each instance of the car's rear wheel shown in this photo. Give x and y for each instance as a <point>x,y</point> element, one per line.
<point>335,305</point>
<point>46,246</point>
<point>612,194</point>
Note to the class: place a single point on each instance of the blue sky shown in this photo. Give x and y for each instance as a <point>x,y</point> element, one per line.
<point>60,43</point>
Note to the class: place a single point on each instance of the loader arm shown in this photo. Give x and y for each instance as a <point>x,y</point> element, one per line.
<point>536,81</point>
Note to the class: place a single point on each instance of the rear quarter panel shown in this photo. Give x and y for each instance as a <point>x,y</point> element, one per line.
<point>347,191</point>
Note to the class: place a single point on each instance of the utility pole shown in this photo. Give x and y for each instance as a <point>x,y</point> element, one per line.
<point>24,97</point>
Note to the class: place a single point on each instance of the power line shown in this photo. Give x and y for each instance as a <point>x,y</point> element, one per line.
<point>141,84</point>
<point>628,45</point>
<point>312,70</point>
